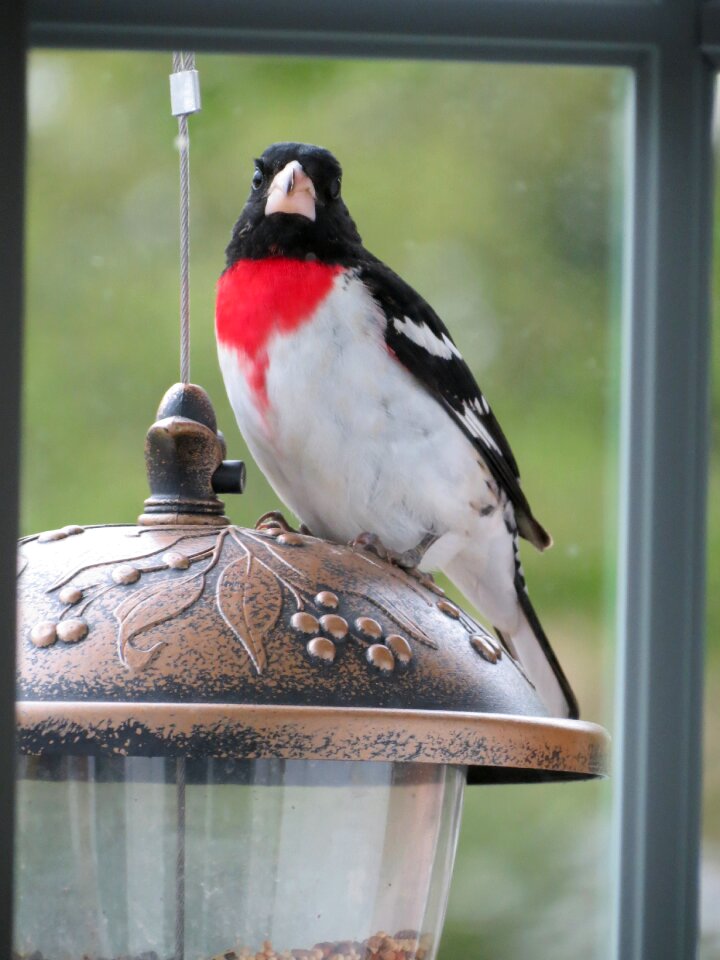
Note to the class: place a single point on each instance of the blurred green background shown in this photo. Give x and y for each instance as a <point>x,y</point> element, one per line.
<point>497,191</point>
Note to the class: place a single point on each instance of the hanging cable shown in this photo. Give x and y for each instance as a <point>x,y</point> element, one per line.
<point>184,100</point>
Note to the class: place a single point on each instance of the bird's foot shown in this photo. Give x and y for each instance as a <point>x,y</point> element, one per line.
<point>411,560</point>
<point>274,520</point>
<point>371,543</point>
<point>408,561</point>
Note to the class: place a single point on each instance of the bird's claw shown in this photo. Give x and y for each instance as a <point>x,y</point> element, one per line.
<point>408,561</point>
<point>426,580</point>
<point>371,543</point>
<point>274,520</point>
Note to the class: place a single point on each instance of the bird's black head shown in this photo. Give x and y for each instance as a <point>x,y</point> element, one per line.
<point>295,209</point>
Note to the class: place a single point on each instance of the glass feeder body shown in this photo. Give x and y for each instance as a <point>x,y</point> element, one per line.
<point>349,858</point>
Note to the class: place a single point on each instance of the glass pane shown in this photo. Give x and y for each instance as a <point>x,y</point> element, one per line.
<point>710,870</point>
<point>497,192</point>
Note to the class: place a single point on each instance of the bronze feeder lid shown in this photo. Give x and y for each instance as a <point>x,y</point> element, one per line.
<point>187,636</point>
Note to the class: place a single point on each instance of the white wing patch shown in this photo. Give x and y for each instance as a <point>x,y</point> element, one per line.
<point>423,336</point>
<point>472,412</point>
<point>471,417</point>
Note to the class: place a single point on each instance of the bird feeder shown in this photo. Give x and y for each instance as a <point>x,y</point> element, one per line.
<point>249,742</point>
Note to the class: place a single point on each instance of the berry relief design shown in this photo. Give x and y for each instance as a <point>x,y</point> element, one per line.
<point>165,572</point>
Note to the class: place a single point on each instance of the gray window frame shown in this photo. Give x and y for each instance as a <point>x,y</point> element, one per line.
<point>671,46</point>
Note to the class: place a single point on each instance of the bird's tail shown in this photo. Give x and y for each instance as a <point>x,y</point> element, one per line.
<point>538,658</point>
<point>508,607</point>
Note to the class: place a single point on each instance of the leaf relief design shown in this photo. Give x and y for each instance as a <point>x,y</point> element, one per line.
<point>147,608</point>
<point>293,578</point>
<point>100,555</point>
<point>195,547</point>
<point>249,597</point>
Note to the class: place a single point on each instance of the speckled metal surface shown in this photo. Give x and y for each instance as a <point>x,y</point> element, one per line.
<point>204,640</point>
<point>494,746</point>
<point>230,615</point>
<point>199,638</point>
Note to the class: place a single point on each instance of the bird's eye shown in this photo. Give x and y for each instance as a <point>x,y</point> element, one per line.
<point>257,179</point>
<point>335,189</point>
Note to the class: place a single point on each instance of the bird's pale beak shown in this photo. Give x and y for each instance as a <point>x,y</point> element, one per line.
<point>291,191</point>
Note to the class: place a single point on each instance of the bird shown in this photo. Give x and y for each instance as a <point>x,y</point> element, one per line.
<point>356,404</point>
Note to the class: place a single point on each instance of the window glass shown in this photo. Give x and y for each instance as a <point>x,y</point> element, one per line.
<point>497,192</point>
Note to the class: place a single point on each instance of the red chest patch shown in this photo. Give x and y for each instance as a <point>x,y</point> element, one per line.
<point>259,298</point>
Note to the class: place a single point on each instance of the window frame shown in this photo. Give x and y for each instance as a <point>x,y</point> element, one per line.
<point>671,47</point>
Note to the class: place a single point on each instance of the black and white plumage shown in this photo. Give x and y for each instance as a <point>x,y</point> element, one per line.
<point>359,408</point>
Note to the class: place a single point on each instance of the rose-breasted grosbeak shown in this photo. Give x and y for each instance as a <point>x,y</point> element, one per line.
<point>359,408</point>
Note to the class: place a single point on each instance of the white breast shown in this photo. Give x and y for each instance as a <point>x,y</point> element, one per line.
<point>349,439</point>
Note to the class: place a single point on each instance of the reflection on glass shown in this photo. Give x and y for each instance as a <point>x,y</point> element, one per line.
<point>340,858</point>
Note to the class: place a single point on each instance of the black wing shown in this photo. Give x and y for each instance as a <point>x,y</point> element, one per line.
<point>421,342</point>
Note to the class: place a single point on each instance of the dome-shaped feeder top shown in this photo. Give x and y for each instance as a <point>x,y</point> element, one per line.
<point>198,638</point>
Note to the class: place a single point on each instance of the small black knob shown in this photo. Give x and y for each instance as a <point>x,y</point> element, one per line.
<point>229,477</point>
